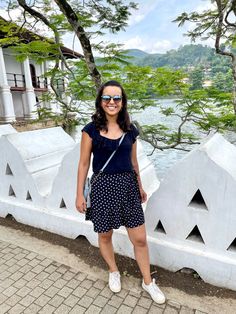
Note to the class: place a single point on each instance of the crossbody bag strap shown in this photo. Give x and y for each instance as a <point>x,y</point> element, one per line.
<point>107,162</point>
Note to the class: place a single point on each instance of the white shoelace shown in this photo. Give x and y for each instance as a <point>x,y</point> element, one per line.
<point>115,278</point>
<point>154,288</point>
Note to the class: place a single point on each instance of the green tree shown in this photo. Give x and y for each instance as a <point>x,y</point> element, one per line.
<point>207,110</point>
<point>218,22</point>
<point>78,18</point>
<point>223,81</point>
<point>86,19</point>
<point>196,78</point>
<point>197,112</point>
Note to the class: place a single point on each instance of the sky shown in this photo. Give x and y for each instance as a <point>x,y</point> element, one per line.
<point>150,28</point>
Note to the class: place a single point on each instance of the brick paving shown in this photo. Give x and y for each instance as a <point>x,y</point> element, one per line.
<point>31,283</point>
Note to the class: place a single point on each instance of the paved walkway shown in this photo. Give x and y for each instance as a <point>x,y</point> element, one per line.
<point>32,283</point>
<point>41,277</point>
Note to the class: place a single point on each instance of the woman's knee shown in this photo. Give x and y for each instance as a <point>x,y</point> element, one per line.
<point>105,237</point>
<point>138,236</point>
<point>139,242</point>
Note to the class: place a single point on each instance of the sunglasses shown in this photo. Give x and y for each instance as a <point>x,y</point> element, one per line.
<point>107,98</point>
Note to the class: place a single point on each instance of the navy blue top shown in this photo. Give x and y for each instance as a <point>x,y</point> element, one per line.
<point>102,148</point>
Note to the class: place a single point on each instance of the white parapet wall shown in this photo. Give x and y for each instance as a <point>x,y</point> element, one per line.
<point>191,218</point>
<point>61,201</point>
<point>29,162</point>
<point>6,129</point>
<point>38,174</point>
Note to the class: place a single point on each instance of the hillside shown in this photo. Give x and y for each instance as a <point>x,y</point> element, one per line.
<point>184,56</point>
<point>137,53</point>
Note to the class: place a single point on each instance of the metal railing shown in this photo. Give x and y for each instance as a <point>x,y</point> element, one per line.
<point>18,80</point>
<point>40,82</point>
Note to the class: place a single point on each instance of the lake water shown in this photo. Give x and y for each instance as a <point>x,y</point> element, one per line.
<point>162,160</point>
<point>165,159</point>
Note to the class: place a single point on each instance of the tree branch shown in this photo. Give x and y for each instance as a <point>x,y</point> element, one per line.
<point>153,141</point>
<point>72,18</point>
<point>219,32</point>
<point>231,9</point>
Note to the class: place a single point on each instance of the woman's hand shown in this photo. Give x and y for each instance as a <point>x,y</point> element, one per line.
<point>80,204</point>
<point>143,195</point>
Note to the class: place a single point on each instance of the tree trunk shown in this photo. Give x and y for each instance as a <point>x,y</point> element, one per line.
<point>72,18</point>
<point>234,85</point>
<point>219,35</point>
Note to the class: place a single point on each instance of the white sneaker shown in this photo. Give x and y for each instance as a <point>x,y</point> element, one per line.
<point>154,292</point>
<point>114,281</point>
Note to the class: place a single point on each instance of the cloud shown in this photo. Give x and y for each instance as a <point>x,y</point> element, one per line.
<point>205,6</point>
<point>135,42</point>
<point>136,18</point>
<point>161,46</point>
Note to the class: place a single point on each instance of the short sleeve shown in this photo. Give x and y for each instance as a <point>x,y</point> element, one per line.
<point>89,129</point>
<point>134,133</point>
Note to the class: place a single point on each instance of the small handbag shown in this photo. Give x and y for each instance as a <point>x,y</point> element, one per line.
<point>88,185</point>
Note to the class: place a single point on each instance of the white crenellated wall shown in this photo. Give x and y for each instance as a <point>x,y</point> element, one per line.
<point>39,173</point>
<point>6,129</point>
<point>29,162</point>
<point>190,216</point>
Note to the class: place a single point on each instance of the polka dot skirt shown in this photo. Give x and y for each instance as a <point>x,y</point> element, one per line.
<point>115,202</point>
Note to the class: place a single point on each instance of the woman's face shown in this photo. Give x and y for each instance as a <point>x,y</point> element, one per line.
<point>110,105</point>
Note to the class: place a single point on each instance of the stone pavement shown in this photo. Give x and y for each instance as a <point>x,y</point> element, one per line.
<point>32,283</point>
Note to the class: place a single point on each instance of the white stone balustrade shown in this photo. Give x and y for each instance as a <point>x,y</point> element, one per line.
<point>190,216</point>
<point>38,171</point>
<point>29,162</point>
<point>6,129</point>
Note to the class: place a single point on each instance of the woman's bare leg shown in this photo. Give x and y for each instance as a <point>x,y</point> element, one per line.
<point>106,249</point>
<point>138,238</point>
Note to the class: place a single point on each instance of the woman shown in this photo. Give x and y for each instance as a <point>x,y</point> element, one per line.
<point>116,193</point>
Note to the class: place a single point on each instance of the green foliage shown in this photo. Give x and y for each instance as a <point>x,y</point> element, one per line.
<point>233,40</point>
<point>196,77</point>
<point>223,81</point>
<point>111,53</point>
<point>37,50</point>
<point>217,23</point>
<point>206,22</point>
<point>162,137</point>
<point>199,62</point>
<point>183,57</point>
<point>207,110</point>
<point>111,15</point>
<point>59,19</point>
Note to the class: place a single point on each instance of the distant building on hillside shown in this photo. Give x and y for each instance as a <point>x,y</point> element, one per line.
<point>207,83</point>
<point>185,80</point>
<point>23,83</point>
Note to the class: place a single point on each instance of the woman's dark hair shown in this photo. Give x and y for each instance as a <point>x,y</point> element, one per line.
<point>99,118</point>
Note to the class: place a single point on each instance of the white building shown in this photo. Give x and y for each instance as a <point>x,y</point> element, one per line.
<point>22,83</point>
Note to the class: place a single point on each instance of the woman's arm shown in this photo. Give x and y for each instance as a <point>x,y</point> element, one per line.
<point>83,167</point>
<point>136,169</point>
